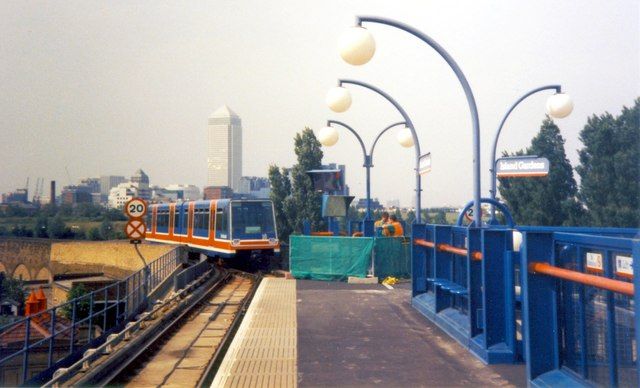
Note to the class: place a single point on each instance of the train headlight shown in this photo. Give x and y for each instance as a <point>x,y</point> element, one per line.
<point>273,241</point>
<point>235,241</point>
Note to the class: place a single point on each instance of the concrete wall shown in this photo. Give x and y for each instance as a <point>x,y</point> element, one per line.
<point>29,256</point>
<point>113,258</point>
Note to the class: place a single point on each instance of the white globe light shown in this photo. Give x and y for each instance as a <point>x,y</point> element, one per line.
<point>559,105</point>
<point>328,136</point>
<point>338,99</point>
<point>357,46</point>
<point>405,137</point>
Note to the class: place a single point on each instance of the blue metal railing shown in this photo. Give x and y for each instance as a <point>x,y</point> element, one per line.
<point>33,347</point>
<point>580,333</point>
<point>188,275</point>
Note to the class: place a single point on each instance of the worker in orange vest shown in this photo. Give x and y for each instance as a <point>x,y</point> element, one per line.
<point>394,227</point>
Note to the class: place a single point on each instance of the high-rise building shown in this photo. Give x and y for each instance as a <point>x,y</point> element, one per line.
<point>107,182</point>
<point>224,151</point>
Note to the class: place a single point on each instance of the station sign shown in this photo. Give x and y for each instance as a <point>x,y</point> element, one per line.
<point>522,166</point>
<point>624,266</point>
<point>424,164</point>
<point>594,262</point>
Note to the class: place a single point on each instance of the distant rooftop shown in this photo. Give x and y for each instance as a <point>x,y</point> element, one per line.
<point>223,111</point>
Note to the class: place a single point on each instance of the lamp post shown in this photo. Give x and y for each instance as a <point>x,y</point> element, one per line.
<point>559,105</point>
<point>339,100</point>
<point>358,46</point>
<point>328,136</point>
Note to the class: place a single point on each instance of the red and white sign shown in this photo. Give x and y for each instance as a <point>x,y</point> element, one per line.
<point>135,208</point>
<point>135,229</point>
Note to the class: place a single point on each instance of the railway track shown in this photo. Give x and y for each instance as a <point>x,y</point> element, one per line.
<point>184,346</point>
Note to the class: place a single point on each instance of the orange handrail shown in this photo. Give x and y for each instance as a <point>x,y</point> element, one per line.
<point>582,278</point>
<point>424,243</point>
<point>475,256</point>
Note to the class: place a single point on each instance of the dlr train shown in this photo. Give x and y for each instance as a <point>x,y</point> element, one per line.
<point>239,231</point>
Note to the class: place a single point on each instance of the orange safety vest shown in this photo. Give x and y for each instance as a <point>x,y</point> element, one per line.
<point>397,229</point>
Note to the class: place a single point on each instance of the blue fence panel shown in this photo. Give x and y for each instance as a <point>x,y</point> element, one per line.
<point>34,346</point>
<point>578,333</point>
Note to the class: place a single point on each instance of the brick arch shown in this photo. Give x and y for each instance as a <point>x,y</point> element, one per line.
<point>44,274</point>
<point>21,272</point>
<point>3,269</point>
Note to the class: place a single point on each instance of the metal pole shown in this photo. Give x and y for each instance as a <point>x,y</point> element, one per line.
<point>470,100</point>
<point>368,159</point>
<point>493,160</point>
<point>409,125</point>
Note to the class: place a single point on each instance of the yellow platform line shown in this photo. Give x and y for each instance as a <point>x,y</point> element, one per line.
<point>264,350</point>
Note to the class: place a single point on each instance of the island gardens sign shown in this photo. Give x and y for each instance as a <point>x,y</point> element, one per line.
<point>522,166</point>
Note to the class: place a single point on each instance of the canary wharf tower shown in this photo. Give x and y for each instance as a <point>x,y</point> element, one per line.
<point>224,149</point>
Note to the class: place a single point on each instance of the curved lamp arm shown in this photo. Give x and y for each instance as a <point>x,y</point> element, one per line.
<point>557,88</point>
<point>467,91</point>
<point>393,102</point>
<point>364,150</point>
<point>373,146</point>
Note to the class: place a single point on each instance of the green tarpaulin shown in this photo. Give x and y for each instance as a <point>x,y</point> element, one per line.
<point>337,258</point>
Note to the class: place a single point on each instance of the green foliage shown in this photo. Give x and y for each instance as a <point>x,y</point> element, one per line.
<point>106,230</point>
<point>82,306</point>
<point>41,229</point>
<point>550,200</point>
<point>21,231</point>
<point>93,234</point>
<point>11,289</point>
<point>292,189</point>
<point>280,190</point>
<point>610,168</point>
<point>440,218</point>
<point>57,228</point>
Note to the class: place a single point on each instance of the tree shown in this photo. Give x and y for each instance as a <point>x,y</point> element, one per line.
<point>57,227</point>
<point>82,306</point>
<point>610,168</point>
<point>280,190</point>
<point>295,198</point>
<point>41,228</point>
<point>11,289</point>
<point>305,201</point>
<point>93,234</point>
<point>106,230</point>
<point>550,200</point>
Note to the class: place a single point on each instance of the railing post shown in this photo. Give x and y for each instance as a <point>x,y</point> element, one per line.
<point>635,253</point>
<point>539,306</point>
<point>25,357</point>
<point>443,265</point>
<point>499,295</point>
<point>52,331</point>
<point>73,326</point>
<point>91,316</point>
<point>418,261</point>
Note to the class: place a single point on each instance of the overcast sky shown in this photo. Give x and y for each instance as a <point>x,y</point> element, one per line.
<point>109,87</point>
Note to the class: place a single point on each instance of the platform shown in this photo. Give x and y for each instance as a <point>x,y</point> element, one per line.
<point>312,333</point>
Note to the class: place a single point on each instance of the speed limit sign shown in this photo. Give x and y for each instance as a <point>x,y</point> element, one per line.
<point>135,208</point>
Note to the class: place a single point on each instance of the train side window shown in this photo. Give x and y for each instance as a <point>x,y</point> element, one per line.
<point>222,224</point>
<point>176,220</point>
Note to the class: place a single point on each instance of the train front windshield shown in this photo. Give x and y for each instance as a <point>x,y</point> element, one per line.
<point>252,220</point>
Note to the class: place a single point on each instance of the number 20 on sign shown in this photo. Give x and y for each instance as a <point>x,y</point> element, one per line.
<point>135,229</point>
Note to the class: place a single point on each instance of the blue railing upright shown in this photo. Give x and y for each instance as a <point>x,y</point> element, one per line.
<point>32,348</point>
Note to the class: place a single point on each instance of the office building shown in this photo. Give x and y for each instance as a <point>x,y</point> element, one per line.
<point>224,149</point>
<point>107,182</point>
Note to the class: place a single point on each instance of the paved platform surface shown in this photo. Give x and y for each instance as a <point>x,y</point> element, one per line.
<point>366,335</point>
<point>263,352</point>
